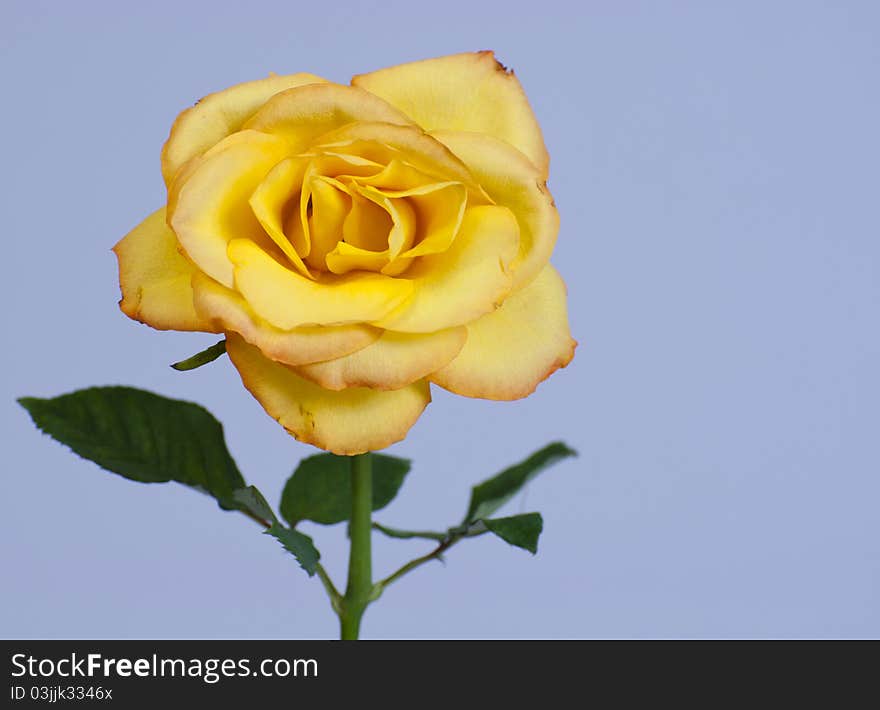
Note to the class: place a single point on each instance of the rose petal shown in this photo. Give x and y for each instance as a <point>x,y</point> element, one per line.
<point>270,201</point>
<point>208,203</point>
<point>349,422</point>
<point>384,143</point>
<point>368,224</point>
<point>375,231</point>
<point>288,300</point>
<point>463,92</point>
<point>391,362</point>
<point>155,278</point>
<point>218,115</point>
<point>334,164</point>
<point>331,207</point>
<point>346,257</point>
<point>397,175</point>
<point>403,219</point>
<point>464,282</point>
<point>226,310</point>
<point>305,113</point>
<point>511,180</point>
<point>439,211</point>
<point>509,352</point>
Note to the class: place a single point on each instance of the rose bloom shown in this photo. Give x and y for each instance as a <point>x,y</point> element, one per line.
<point>356,243</point>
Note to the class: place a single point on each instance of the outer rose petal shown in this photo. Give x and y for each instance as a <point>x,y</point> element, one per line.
<point>348,422</point>
<point>511,180</point>
<point>288,300</point>
<point>226,310</point>
<point>393,361</point>
<point>155,278</point>
<point>463,92</point>
<point>219,115</point>
<point>468,280</point>
<point>509,352</point>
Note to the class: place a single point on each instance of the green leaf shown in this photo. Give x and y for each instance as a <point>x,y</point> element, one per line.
<point>251,500</point>
<point>320,488</point>
<point>203,358</point>
<point>143,437</point>
<point>297,544</point>
<point>520,530</point>
<point>490,495</point>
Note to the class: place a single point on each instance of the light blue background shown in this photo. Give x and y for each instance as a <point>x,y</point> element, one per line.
<point>716,169</point>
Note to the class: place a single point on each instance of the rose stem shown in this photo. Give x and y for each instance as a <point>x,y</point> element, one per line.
<point>360,574</point>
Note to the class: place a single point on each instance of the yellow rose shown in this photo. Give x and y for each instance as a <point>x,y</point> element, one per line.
<point>356,243</point>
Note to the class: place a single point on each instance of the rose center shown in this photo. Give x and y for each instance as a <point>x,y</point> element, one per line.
<point>337,212</point>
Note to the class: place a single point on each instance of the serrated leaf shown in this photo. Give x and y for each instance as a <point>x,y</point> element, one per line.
<point>251,500</point>
<point>297,544</point>
<point>143,437</point>
<point>320,488</point>
<point>490,495</point>
<point>201,358</point>
<point>519,530</point>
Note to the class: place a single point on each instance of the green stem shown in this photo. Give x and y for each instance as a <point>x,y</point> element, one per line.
<point>409,534</point>
<point>360,574</point>
<point>435,554</point>
<point>448,540</point>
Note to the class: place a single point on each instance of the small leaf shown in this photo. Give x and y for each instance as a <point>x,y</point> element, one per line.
<point>203,358</point>
<point>251,500</point>
<point>143,437</point>
<point>490,495</point>
<point>297,544</point>
<point>320,488</point>
<point>520,530</point>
